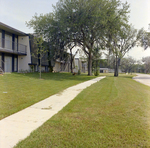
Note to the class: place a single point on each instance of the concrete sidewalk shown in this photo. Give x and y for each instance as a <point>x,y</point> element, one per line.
<point>142,78</point>
<point>19,125</point>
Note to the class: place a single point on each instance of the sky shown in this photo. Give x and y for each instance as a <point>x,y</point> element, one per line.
<point>16,12</point>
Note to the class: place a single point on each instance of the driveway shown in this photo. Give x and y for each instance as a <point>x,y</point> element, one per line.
<point>142,78</point>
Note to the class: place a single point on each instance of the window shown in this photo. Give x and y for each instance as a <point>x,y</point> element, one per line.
<point>0,39</point>
<point>16,41</point>
<point>8,41</point>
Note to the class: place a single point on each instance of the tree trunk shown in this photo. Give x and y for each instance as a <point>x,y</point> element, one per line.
<point>40,66</point>
<point>90,64</point>
<point>50,66</point>
<point>71,67</point>
<point>116,68</point>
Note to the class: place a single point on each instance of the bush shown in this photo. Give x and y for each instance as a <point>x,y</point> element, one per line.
<point>96,72</point>
<point>79,72</point>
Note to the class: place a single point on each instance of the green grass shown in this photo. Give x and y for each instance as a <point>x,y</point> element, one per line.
<point>24,90</point>
<point>114,112</point>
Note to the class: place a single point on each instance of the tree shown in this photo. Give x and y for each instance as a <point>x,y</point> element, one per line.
<point>49,29</point>
<point>82,22</point>
<point>145,39</point>
<point>96,60</point>
<point>70,46</point>
<point>120,42</point>
<point>139,67</point>
<point>146,61</point>
<point>86,21</point>
<point>72,58</point>
<point>127,64</point>
<point>39,51</point>
<point>109,61</point>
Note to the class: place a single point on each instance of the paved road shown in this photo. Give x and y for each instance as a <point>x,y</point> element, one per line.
<point>143,78</point>
<point>19,125</point>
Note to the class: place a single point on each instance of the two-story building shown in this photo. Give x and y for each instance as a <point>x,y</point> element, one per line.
<point>18,53</point>
<point>14,49</point>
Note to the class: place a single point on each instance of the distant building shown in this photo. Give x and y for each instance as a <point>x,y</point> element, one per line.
<point>104,70</point>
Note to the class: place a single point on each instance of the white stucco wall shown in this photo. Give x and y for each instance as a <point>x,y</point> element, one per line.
<point>24,60</point>
<point>78,65</point>
<point>57,66</point>
<point>67,68</point>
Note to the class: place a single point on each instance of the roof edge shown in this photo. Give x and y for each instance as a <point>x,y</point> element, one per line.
<point>13,29</point>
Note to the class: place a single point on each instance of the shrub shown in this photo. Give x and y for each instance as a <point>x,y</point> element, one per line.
<point>96,72</point>
<point>79,72</point>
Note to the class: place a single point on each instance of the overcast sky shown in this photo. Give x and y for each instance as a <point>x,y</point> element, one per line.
<point>16,12</point>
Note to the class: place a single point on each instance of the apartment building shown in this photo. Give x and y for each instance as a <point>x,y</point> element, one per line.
<point>18,53</point>
<point>14,49</point>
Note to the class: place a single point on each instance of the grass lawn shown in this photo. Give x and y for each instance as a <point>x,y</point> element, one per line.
<point>114,112</point>
<point>24,90</point>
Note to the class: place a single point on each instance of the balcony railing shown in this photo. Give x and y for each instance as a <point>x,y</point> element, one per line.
<point>12,47</point>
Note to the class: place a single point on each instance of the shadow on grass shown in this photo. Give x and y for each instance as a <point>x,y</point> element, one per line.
<point>56,76</point>
<point>67,76</point>
<point>121,75</point>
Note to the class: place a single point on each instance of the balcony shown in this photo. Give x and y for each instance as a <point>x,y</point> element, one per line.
<point>12,47</point>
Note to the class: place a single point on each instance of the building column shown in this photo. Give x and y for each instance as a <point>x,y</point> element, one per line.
<point>3,62</point>
<point>12,62</point>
